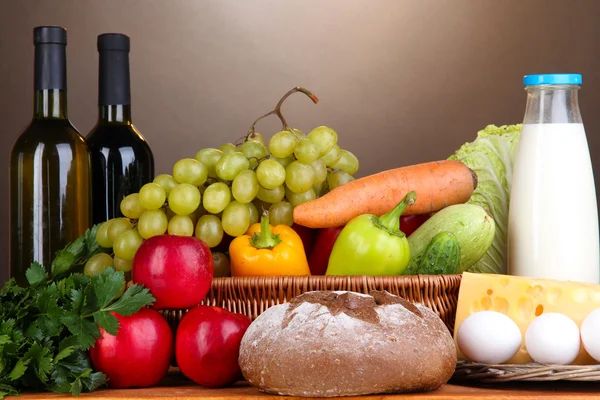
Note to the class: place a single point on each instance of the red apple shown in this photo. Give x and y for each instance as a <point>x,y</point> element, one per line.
<point>139,355</point>
<point>207,345</point>
<point>178,270</point>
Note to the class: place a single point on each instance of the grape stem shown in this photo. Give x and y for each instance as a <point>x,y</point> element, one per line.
<point>265,239</point>
<point>277,109</point>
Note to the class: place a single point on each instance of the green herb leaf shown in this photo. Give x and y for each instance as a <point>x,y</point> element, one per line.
<point>36,274</point>
<point>107,321</point>
<point>64,353</point>
<point>84,330</point>
<point>134,298</point>
<point>19,369</point>
<point>41,360</point>
<point>7,390</point>
<point>62,263</point>
<point>108,285</point>
<point>93,381</point>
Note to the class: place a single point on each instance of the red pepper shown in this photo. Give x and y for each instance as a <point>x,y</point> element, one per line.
<point>307,235</point>
<point>410,223</point>
<point>319,257</point>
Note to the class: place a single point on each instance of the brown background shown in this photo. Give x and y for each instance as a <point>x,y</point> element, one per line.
<point>402,81</point>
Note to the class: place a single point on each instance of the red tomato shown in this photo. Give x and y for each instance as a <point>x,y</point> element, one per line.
<point>207,345</point>
<point>139,355</point>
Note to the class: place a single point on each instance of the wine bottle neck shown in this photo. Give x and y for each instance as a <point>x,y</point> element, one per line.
<point>50,104</point>
<point>120,114</point>
<point>50,81</point>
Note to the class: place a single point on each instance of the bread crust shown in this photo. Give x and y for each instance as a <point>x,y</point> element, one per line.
<point>330,344</point>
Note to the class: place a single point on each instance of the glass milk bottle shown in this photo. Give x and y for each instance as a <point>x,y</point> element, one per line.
<point>553,214</point>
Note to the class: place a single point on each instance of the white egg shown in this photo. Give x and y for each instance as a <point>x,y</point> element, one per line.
<point>590,334</point>
<point>488,337</point>
<point>553,338</point>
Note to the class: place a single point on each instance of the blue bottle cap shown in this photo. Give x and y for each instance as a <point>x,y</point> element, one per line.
<point>552,79</point>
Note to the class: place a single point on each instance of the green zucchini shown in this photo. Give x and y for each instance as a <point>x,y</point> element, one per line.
<point>442,256</point>
<point>472,226</point>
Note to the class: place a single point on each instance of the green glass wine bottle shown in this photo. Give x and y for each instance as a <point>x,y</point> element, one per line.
<point>50,193</point>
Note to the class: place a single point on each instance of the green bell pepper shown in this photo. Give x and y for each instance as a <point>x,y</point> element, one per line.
<point>371,245</point>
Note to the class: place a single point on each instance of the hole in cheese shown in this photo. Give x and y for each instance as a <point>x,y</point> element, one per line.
<point>486,302</point>
<point>501,305</point>
<point>554,294</point>
<point>525,306</point>
<point>539,310</point>
<point>490,292</point>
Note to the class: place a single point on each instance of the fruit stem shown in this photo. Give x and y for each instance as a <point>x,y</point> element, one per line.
<point>265,239</point>
<point>391,220</point>
<point>277,109</point>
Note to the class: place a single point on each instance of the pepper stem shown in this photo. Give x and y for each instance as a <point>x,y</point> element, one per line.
<point>391,220</point>
<point>265,239</point>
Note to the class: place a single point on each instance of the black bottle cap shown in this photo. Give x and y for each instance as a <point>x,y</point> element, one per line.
<point>49,35</point>
<point>113,42</point>
<point>50,66</point>
<point>113,77</point>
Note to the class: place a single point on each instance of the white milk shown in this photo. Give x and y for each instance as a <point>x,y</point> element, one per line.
<point>553,216</point>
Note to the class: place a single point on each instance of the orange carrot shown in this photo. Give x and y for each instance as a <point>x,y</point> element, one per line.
<point>438,184</point>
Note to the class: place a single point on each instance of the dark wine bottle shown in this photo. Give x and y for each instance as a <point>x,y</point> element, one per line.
<point>50,195</point>
<point>122,161</point>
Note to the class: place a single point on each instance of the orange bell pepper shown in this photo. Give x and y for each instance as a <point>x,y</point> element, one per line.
<point>267,250</point>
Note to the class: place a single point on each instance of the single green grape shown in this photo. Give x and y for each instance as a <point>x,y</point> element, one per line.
<point>152,196</point>
<point>181,225</point>
<point>299,177</point>
<point>209,157</point>
<point>347,162</point>
<point>296,199</point>
<point>230,165</point>
<point>271,195</point>
<point>122,265</point>
<point>253,213</point>
<point>216,197</point>
<point>166,181</point>
<point>236,219</point>
<point>190,170</point>
<point>298,134</point>
<point>281,214</point>
<point>102,235</point>
<point>283,161</point>
<point>270,174</point>
<point>257,137</point>
<point>321,188</point>
<point>324,137</point>
<point>222,266</point>
<point>152,223</point>
<point>282,144</point>
<point>228,148</point>
<point>320,171</point>
<point>184,199</point>
<point>338,178</point>
<point>131,206</point>
<point>245,186</point>
<point>306,151</point>
<point>117,226</point>
<point>126,244</point>
<point>97,263</point>
<point>209,230</point>
<point>253,149</point>
<point>332,156</point>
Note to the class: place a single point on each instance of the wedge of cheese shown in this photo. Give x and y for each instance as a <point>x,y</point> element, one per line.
<point>523,299</point>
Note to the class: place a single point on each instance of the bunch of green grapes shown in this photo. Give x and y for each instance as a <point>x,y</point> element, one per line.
<point>222,191</point>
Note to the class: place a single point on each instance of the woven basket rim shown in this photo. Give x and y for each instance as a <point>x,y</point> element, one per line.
<point>531,372</point>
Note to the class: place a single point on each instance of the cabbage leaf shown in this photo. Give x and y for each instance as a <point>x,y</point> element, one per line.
<point>492,155</point>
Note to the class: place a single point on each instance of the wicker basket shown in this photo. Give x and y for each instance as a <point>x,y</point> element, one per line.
<point>252,296</point>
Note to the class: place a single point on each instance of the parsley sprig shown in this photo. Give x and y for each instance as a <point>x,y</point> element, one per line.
<point>47,327</point>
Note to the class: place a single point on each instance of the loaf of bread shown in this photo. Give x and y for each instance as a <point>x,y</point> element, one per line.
<point>330,344</point>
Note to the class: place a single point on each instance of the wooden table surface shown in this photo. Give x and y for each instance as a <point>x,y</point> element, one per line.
<point>176,386</point>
